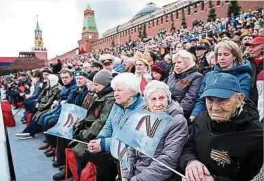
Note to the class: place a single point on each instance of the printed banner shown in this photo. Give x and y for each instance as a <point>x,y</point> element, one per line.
<point>120,151</point>
<point>70,114</point>
<point>143,131</point>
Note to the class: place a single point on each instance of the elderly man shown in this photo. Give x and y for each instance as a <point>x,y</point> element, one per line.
<point>214,151</point>
<point>255,48</point>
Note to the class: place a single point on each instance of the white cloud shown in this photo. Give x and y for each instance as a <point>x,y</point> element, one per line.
<point>60,20</point>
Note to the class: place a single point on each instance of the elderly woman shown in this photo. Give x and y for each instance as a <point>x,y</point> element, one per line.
<point>185,81</point>
<point>158,99</point>
<point>214,150</point>
<point>127,100</point>
<point>229,60</point>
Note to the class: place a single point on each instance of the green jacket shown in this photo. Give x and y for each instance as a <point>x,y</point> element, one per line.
<point>47,100</point>
<point>97,115</point>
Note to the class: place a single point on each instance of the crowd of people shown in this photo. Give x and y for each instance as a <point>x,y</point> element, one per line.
<point>209,79</point>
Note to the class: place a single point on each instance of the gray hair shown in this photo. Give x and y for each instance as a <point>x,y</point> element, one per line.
<point>155,85</point>
<point>129,81</point>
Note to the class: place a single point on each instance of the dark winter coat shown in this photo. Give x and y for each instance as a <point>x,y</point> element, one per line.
<point>46,101</point>
<point>184,88</point>
<point>232,151</point>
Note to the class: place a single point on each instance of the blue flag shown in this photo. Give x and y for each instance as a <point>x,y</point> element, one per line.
<point>70,114</point>
<point>143,131</point>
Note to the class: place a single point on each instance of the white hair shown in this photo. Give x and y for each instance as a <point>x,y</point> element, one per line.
<point>187,57</point>
<point>155,85</point>
<point>128,80</point>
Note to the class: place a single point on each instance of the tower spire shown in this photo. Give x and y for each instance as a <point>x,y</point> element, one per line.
<point>37,25</point>
<point>38,38</point>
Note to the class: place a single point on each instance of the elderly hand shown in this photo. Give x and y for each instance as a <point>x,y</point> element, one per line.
<point>196,171</point>
<point>94,146</point>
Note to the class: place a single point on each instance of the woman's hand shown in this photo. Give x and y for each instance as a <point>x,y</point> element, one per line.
<point>196,171</point>
<point>94,146</point>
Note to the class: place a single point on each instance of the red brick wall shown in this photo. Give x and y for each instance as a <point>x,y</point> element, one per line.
<point>69,55</point>
<point>221,12</point>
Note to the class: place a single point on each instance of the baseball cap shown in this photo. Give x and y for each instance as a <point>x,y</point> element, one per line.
<point>222,85</point>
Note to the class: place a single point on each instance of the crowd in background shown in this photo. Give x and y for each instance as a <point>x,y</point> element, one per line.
<point>208,78</point>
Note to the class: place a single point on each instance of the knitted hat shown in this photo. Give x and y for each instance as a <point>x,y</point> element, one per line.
<point>103,77</point>
<point>155,85</point>
<point>162,68</point>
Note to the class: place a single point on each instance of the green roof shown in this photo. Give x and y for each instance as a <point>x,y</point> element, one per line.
<point>89,24</point>
<point>88,7</point>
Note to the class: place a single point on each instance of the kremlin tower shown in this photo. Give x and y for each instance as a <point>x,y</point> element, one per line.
<point>39,50</point>
<point>89,32</point>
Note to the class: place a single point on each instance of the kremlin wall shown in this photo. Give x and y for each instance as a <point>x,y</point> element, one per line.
<point>155,18</point>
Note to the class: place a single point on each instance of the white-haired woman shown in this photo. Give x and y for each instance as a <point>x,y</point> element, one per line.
<point>185,81</point>
<point>229,60</point>
<point>127,100</point>
<point>158,100</point>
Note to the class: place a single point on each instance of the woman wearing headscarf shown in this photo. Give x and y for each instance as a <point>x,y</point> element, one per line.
<point>158,100</point>
<point>185,81</point>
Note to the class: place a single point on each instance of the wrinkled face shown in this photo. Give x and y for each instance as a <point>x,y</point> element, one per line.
<point>140,67</point>
<point>255,50</point>
<point>98,87</point>
<point>123,95</point>
<point>221,110</point>
<point>225,58</point>
<point>66,78</point>
<point>156,75</point>
<point>157,101</point>
<point>179,64</point>
<point>81,81</point>
<point>108,66</point>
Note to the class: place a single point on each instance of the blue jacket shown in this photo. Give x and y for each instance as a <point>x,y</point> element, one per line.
<point>77,96</point>
<point>241,71</point>
<point>67,90</point>
<point>38,88</point>
<point>116,119</point>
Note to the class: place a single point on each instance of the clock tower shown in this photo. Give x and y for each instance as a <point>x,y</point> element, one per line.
<point>39,50</point>
<point>89,32</point>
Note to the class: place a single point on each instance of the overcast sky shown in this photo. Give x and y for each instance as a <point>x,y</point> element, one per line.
<point>61,21</point>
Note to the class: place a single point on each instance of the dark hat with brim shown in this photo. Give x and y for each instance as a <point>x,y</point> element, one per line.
<point>81,73</point>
